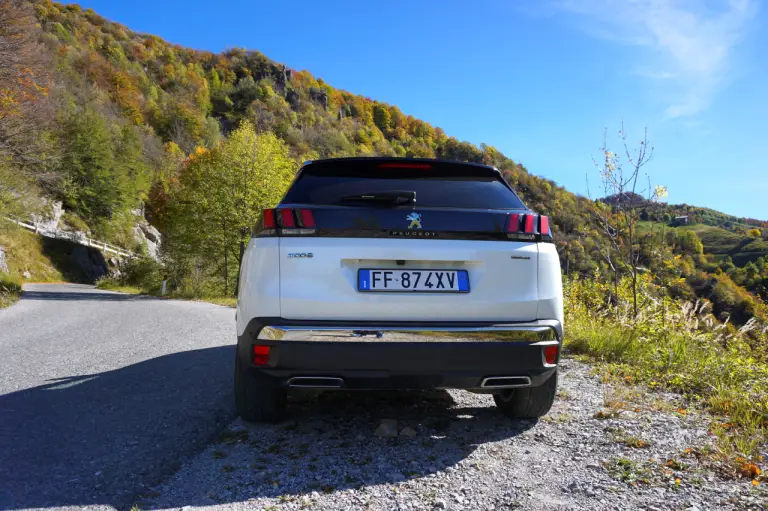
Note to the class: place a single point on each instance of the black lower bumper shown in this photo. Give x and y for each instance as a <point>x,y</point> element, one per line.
<point>367,356</point>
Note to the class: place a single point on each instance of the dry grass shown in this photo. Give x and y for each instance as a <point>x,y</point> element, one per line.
<point>678,347</point>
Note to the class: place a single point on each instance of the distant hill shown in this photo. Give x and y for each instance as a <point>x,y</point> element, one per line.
<point>626,198</point>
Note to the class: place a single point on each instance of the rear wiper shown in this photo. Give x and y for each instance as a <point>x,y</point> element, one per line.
<point>389,197</point>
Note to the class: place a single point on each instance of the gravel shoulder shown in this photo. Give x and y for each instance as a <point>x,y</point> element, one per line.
<point>601,447</point>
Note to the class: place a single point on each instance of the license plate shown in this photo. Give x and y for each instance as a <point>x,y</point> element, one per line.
<point>421,281</point>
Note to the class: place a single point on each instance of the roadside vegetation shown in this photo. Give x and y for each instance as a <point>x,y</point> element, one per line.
<point>10,289</point>
<point>677,346</point>
<point>145,276</point>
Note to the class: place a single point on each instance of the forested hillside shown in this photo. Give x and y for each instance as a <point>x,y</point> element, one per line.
<point>112,122</point>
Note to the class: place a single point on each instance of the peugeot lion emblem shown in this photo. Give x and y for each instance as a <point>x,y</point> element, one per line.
<point>415,219</point>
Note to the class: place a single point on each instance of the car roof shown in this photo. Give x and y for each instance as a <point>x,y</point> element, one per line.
<point>385,159</point>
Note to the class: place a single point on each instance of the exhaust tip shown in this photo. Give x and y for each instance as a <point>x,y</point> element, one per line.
<point>315,382</point>
<point>505,382</point>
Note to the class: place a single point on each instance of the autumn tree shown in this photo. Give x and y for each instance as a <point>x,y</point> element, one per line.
<point>24,83</point>
<point>26,153</point>
<point>222,193</point>
<point>618,213</point>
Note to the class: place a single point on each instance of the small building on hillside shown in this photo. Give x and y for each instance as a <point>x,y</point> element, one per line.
<point>680,220</point>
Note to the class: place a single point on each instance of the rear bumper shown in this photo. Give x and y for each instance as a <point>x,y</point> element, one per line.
<point>365,355</point>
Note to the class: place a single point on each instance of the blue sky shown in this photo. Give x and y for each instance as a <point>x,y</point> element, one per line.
<point>538,79</point>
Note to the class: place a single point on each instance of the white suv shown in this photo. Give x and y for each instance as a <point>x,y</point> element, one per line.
<point>383,273</point>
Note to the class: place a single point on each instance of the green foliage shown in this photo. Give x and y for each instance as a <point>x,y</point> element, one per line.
<point>89,161</point>
<point>224,190</point>
<point>18,193</point>
<point>105,170</point>
<point>142,273</point>
<point>690,243</point>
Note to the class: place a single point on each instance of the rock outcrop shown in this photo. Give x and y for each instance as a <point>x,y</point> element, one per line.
<point>48,222</point>
<point>319,96</point>
<point>149,236</point>
<point>3,261</point>
<point>292,97</point>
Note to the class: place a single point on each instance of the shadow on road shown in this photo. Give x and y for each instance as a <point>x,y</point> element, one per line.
<point>51,293</point>
<point>101,438</point>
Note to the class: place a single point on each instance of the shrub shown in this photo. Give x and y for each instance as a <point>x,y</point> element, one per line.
<point>142,273</point>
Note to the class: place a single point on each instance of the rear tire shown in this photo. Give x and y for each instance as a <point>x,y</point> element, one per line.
<point>257,398</point>
<point>527,402</point>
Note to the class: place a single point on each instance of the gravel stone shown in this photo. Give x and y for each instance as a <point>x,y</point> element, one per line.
<point>387,429</point>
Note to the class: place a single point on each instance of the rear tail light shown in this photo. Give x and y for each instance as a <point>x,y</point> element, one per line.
<point>287,222</point>
<point>286,218</point>
<point>530,224</point>
<point>544,226</point>
<point>261,355</point>
<point>514,223</point>
<point>526,227</point>
<point>550,354</point>
<point>306,218</point>
<point>269,219</point>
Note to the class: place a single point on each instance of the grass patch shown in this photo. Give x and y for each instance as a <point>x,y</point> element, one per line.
<point>226,301</point>
<point>633,442</point>
<point>46,259</point>
<point>628,471</point>
<point>560,418</point>
<point>111,285</point>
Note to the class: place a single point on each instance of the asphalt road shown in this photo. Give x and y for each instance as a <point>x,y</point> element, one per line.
<point>104,394</point>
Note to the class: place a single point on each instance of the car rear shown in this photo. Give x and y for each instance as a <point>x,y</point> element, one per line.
<point>387,273</point>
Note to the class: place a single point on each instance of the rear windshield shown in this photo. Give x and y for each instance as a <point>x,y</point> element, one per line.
<point>452,187</point>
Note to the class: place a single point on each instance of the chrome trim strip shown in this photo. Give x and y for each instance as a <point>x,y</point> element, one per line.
<point>538,333</point>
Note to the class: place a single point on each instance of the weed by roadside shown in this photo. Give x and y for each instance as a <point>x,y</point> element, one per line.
<point>10,289</point>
